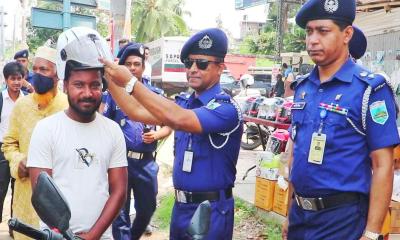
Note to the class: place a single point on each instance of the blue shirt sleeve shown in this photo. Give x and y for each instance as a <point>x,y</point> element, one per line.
<point>109,107</point>
<point>221,119</point>
<point>381,120</point>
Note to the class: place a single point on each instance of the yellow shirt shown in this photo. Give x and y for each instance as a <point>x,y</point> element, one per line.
<point>23,119</point>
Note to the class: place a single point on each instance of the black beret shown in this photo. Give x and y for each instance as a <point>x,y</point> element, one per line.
<point>341,10</point>
<point>211,42</point>
<point>22,54</point>
<point>135,49</point>
<point>358,43</point>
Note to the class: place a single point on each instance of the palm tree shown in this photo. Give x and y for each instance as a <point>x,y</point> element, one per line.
<point>153,19</point>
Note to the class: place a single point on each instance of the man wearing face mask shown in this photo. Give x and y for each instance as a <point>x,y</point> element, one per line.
<point>45,101</point>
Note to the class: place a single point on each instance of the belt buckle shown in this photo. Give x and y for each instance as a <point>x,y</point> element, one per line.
<point>307,203</point>
<point>180,196</point>
<point>134,155</point>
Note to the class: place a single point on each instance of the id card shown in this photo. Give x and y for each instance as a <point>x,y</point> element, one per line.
<point>187,161</point>
<point>317,148</point>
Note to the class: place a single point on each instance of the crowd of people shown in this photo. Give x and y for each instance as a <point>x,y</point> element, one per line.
<point>97,138</point>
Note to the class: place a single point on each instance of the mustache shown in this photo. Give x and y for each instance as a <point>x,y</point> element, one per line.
<point>88,100</point>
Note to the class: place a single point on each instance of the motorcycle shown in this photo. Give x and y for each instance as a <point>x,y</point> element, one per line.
<point>53,210</point>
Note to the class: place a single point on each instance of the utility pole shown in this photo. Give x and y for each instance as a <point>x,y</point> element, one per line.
<point>279,28</point>
<point>281,22</point>
<point>2,32</point>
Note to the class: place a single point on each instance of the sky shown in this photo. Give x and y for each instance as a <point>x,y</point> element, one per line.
<point>205,12</point>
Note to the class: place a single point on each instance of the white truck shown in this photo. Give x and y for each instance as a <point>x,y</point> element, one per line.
<point>168,72</point>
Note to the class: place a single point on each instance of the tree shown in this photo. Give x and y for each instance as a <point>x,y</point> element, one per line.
<point>295,41</point>
<point>153,19</point>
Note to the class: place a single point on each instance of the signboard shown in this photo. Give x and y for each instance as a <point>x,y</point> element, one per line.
<point>44,18</point>
<point>86,3</point>
<point>242,4</point>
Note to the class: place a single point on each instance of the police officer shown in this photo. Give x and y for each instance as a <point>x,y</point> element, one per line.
<point>141,142</point>
<point>358,44</point>
<point>208,128</point>
<point>22,57</point>
<point>343,133</point>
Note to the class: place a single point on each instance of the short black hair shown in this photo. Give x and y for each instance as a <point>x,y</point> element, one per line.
<point>285,65</point>
<point>146,47</point>
<point>341,24</point>
<point>72,65</point>
<point>13,68</point>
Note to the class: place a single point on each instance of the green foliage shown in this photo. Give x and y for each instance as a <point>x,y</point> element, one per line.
<point>263,44</point>
<point>294,41</point>
<point>152,19</point>
<point>164,210</point>
<point>36,37</point>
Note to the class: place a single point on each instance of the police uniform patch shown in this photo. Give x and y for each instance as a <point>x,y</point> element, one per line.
<point>205,42</point>
<point>213,105</point>
<point>379,112</point>
<point>331,6</point>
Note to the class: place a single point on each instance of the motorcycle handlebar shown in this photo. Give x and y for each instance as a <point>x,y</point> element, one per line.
<point>31,232</point>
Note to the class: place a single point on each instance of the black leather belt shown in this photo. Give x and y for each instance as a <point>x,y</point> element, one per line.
<point>140,156</point>
<point>316,204</point>
<point>198,197</point>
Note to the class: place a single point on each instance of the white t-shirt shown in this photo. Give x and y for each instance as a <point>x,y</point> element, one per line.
<point>8,105</point>
<point>79,155</point>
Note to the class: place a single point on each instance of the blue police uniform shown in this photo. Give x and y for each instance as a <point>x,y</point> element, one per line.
<point>142,168</point>
<point>142,174</point>
<point>212,171</point>
<point>355,113</point>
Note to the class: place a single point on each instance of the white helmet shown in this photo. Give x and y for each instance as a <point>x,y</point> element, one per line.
<point>81,47</point>
<point>247,80</point>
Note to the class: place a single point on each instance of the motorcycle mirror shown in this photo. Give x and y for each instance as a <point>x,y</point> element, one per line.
<point>50,204</point>
<point>200,222</point>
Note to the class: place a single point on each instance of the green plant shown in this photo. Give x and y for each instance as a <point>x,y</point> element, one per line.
<point>162,216</point>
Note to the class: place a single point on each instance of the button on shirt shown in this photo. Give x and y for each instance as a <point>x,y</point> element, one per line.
<point>346,163</point>
<point>212,169</point>
<point>8,105</point>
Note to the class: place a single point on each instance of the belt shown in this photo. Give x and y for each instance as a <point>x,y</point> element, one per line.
<point>140,156</point>
<point>199,197</point>
<point>320,203</point>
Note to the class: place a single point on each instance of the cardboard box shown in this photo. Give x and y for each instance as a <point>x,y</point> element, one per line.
<point>394,217</point>
<point>264,197</point>
<point>281,201</point>
<point>386,225</point>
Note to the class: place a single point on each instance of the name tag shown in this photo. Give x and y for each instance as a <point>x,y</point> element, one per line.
<point>298,105</point>
<point>317,148</point>
<point>187,161</point>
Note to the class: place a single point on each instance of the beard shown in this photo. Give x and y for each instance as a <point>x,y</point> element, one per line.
<point>87,112</point>
<point>45,98</point>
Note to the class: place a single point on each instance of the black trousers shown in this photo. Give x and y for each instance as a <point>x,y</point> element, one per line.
<point>5,178</point>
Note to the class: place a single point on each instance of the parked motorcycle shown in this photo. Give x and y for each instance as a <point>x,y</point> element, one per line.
<point>53,210</point>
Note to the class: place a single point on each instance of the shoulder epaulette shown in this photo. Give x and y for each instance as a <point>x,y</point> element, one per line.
<point>375,80</point>
<point>182,96</point>
<point>157,90</point>
<point>298,80</point>
<point>222,97</point>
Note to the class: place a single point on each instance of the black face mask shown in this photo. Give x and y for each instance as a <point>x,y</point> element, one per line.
<point>42,84</point>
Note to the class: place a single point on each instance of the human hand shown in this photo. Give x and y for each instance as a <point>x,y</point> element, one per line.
<point>285,226</point>
<point>86,236</point>
<point>22,169</point>
<point>28,86</point>
<point>150,137</point>
<point>119,74</point>
<point>364,238</point>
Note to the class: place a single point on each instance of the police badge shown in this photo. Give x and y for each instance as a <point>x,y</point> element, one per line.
<point>205,42</point>
<point>331,6</point>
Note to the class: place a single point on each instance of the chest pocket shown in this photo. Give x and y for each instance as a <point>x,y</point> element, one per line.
<point>298,117</point>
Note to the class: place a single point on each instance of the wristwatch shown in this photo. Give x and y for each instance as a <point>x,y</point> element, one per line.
<point>131,84</point>
<point>372,235</point>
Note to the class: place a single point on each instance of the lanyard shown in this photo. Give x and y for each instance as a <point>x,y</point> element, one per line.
<point>189,148</point>
<point>322,114</point>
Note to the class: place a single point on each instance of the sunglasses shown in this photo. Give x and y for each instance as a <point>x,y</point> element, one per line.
<point>201,64</point>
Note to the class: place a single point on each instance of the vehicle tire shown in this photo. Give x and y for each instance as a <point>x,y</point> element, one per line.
<point>251,137</point>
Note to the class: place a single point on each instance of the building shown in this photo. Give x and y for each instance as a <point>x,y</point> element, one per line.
<point>250,28</point>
